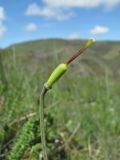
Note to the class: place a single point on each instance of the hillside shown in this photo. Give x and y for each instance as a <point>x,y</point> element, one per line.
<point>102,56</point>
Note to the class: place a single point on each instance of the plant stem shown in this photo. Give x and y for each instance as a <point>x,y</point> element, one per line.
<point>42,124</point>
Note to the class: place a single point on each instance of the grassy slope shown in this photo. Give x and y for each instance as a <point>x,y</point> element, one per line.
<point>106,54</point>
<point>87,95</point>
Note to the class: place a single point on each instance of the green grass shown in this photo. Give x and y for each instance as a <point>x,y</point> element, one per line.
<point>88,95</point>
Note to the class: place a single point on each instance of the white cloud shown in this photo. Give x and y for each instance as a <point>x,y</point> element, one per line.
<point>63,9</point>
<point>31,27</point>
<point>82,3</point>
<point>73,36</point>
<point>2,29</point>
<point>49,12</point>
<point>2,14</point>
<point>2,19</point>
<point>99,30</point>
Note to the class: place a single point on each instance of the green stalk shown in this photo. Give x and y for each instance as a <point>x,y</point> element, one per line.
<point>54,77</point>
<point>42,123</point>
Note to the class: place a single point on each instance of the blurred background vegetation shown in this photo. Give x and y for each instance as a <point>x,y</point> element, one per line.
<point>84,106</point>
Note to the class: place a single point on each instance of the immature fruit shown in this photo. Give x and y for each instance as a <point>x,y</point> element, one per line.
<point>57,73</point>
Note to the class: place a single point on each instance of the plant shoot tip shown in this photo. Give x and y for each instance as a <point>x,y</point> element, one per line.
<point>90,42</point>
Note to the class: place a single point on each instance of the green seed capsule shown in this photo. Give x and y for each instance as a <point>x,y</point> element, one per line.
<point>57,73</point>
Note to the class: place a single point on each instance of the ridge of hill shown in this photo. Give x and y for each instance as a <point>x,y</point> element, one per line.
<point>103,56</point>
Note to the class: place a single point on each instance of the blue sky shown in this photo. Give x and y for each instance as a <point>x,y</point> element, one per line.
<point>37,19</point>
